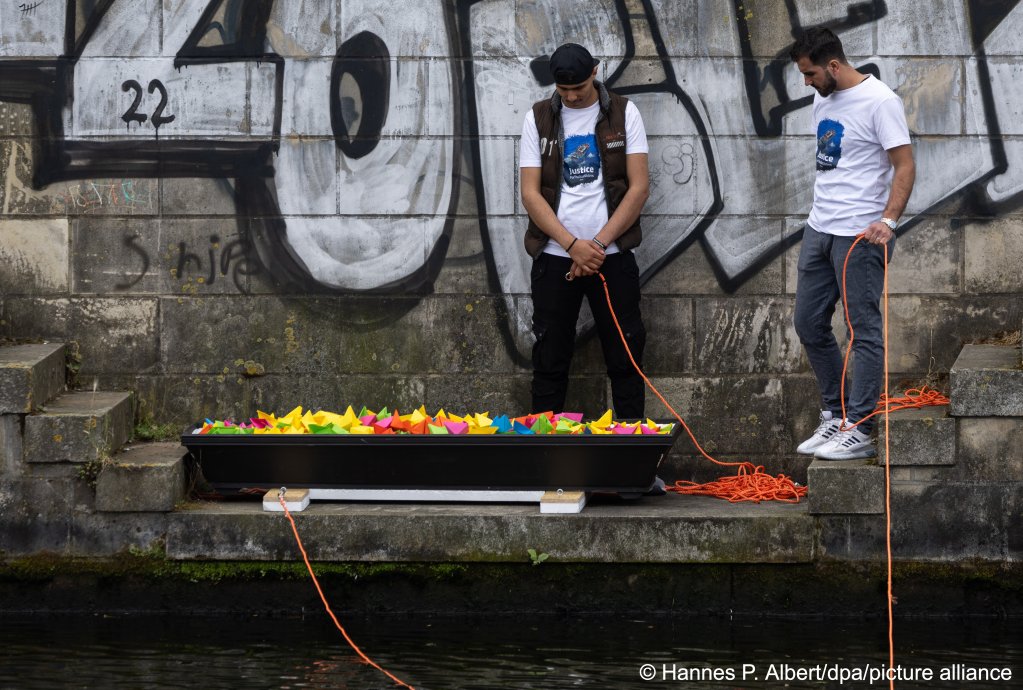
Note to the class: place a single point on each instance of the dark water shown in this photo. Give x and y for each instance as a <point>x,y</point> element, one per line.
<point>116,653</point>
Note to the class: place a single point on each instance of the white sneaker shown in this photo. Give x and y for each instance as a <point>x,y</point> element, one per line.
<point>847,445</point>
<point>826,430</point>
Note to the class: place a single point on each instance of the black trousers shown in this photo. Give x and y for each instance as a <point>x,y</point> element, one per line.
<point>556,304</point>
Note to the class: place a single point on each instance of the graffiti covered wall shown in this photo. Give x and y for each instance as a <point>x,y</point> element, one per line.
<point>239,203</point>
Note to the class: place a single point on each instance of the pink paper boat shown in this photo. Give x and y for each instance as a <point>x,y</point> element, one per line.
<point>457,427</point>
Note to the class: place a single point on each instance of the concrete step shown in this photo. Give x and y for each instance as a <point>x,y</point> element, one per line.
<point>30,375</point>
<point>924,437</point>
<point>990,449</point>
<point>146,478</point>
<point>987,381</point>
<point>845,487</point>
<point>79,427</point>
<point>696,468</point>
<point>662,529</point>
<point>11,445</point>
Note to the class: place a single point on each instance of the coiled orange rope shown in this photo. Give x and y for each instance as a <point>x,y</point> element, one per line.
<point>750,483</point>
<point>914,398</point>
<point>323,598</point>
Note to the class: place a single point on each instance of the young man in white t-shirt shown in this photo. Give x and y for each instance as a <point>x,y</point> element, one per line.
<point>865,174</point>
<point>584,180</point>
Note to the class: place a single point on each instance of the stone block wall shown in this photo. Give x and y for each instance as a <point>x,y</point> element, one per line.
<point>320,206</point>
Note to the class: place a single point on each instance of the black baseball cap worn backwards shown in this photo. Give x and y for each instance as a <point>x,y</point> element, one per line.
<point>572,64</point>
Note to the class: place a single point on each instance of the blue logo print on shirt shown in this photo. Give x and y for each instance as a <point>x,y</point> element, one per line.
<point>829,144</point>
<point>582,160</point>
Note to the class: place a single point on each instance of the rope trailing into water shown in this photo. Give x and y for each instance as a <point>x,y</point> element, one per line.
<point>323,598</point>
<point>750,483</point>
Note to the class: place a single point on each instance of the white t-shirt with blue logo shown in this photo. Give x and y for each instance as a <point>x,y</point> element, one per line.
<point>582,208</point>
<point>855,128</point>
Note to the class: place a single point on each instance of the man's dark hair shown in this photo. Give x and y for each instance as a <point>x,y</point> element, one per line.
<point>819,45</point>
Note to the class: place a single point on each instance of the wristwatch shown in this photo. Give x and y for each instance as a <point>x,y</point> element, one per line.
<point>890,223</point>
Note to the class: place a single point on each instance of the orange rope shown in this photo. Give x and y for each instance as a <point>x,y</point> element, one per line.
<point>750,482</point>
<point>886,405</point>
<point>309,567</point>
<point>887,453</point>
<point>914,398</point>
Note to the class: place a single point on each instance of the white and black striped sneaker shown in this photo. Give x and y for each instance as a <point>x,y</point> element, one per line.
<point>851,444</point>
<point>826,430</point>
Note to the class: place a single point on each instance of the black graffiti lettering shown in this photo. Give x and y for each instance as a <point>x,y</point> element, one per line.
<point>131,242</point>
<point>235,249</point>
<point>234,30</point>
<point>235,259</point>
<point>212,277</point>
<point>158,116</point>
<point>237,256</point>
<point>227,30</point>
<point>219,28</point>
<point>360,86</point>
<point>131,115</point>
<point>766,89</point>
<point>680,162</point>
<point>185,258</point>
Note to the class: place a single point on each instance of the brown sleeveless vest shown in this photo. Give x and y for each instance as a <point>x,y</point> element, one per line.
<point>610,132</point>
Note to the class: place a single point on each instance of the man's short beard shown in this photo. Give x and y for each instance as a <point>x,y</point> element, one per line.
<point>829,85</point>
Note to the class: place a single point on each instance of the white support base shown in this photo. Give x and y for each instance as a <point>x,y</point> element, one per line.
<point>562,502</point>
<point>298,500</point>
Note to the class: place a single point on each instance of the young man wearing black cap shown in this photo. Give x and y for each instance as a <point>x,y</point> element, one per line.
<point>584,180</point>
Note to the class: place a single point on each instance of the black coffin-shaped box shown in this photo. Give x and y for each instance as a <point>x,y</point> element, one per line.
<point>598,462</point>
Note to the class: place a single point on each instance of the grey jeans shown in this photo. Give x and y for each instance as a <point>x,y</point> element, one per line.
<point>817,295</point>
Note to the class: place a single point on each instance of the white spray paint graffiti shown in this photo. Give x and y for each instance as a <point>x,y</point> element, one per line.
<point>766,180</point>
<point>343,119</point>
<point>340,204</point>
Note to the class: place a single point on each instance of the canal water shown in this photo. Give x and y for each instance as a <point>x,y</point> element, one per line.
<point>536,653</point>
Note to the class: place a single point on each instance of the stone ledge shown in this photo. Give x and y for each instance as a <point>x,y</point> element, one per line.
<point>147,583</point>
<point>144,478</point>
<point>78,427</point>
<point>30,375</point>
<point>845,487</point>
<point>11,444</point>
<point>990,449</point>
<point>666,529</point>
<point>987,381</point>
<point>921,437</point>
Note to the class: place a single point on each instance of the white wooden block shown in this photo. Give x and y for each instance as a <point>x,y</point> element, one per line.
<point>562,502</point>
<point>296,500</point>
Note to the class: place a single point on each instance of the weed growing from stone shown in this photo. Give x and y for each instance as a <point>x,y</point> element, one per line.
<point>88,472</point>
<point>149,430</point>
